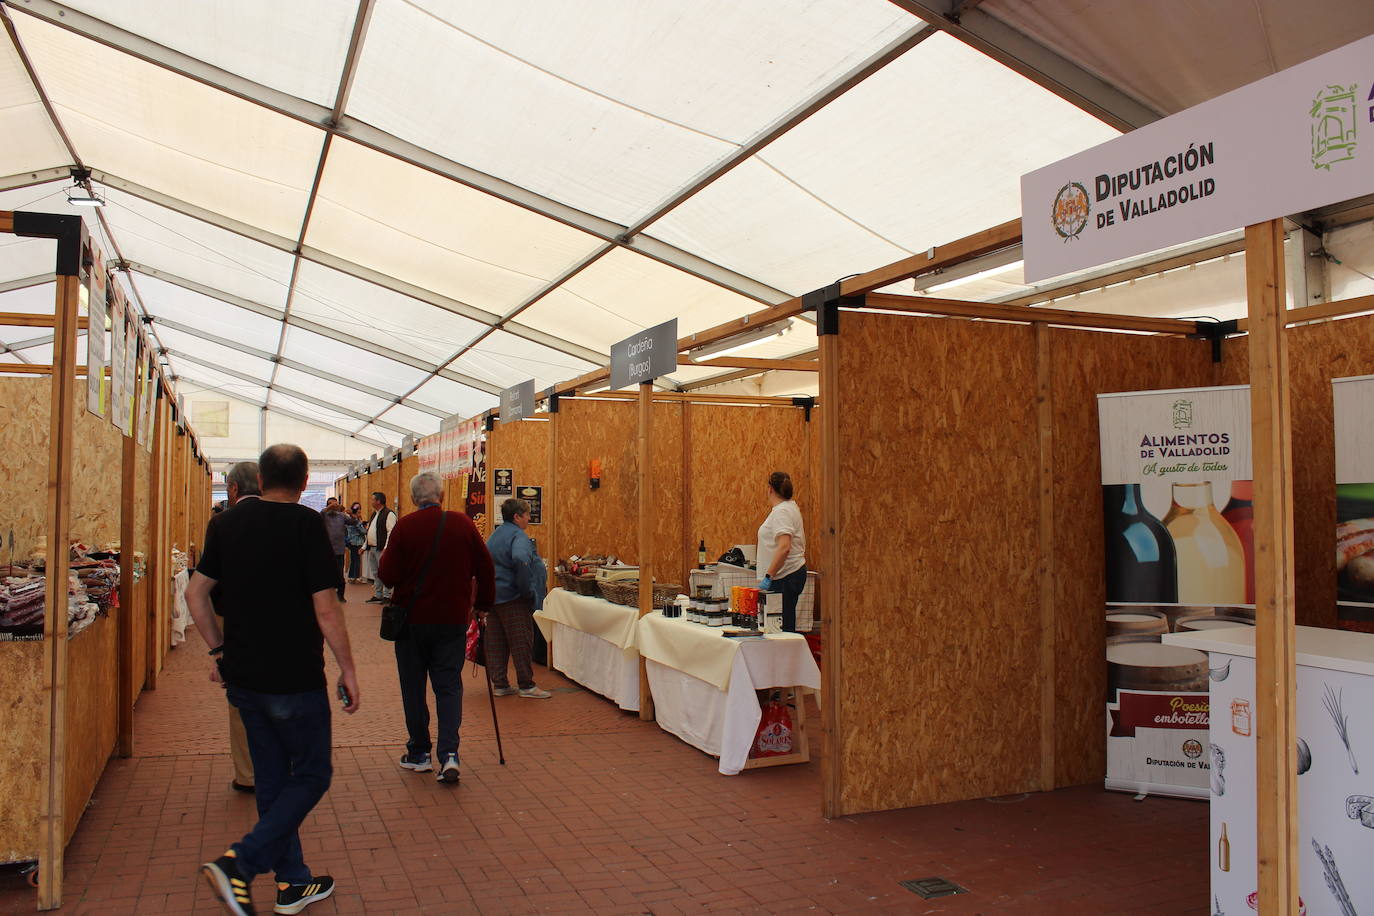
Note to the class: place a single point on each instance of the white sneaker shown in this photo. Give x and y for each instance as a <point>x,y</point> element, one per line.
<point>534,693</point>
<point>505,691</point>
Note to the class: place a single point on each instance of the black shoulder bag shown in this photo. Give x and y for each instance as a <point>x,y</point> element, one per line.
<point>395,617</point>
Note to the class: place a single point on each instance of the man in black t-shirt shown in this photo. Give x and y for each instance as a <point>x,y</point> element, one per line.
<point>273,571</point>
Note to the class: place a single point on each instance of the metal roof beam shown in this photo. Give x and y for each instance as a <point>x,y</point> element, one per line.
<point>41,176</point>
<point>357,271</point>
<point>390,145</point>
<point>262,405</point>
<point>1034,61</point>
<point>290,392</point>
<point>314,327</point>
<point>293,364</point>
<point>10,286</point>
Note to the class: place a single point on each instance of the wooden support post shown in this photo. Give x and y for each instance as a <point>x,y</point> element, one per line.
<point>690,538</point>
<point>1275,658</point>
<point>832,613</point>
<point>550,549</point>
<point>490,525</point>
<point>128,677</point>
<point>52,822</point>
<point>159,548</point>
<point>1044,398</point>
<point>646,533</point>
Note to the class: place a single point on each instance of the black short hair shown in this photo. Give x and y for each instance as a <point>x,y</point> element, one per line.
<point>332,499</point>
<point>379,496</point>
<point>284,467</point>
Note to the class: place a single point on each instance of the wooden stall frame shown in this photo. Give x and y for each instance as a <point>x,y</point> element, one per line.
<point>127,691</point>
<point>646,534</point>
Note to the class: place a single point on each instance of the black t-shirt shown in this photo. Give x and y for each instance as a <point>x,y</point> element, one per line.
<point>269,559</point>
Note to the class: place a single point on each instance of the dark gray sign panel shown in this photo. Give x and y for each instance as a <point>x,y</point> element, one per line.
<point>644,356</point>
<point>517,402</point>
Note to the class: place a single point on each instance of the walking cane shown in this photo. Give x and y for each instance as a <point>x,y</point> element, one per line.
<point>491,696</point>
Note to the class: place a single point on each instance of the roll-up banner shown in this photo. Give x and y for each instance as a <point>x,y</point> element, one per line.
<point>1353,400</point>
<point>1177,525</point>
<point>117,344</point>
<point>97,332</point>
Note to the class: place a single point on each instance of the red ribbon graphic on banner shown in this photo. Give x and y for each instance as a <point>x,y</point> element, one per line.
<point>1158,710</point>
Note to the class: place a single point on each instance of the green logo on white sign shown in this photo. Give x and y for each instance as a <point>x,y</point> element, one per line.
<point>1333,125</point>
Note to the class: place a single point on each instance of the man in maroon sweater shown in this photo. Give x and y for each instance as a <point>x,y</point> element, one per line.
<point>459,578</point>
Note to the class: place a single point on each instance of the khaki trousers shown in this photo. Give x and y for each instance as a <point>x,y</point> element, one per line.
<point>238,749</point>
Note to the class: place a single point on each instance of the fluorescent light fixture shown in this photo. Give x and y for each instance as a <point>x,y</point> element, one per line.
<point>742,341</point>
<point>971,278</point>
<point>82,193</point>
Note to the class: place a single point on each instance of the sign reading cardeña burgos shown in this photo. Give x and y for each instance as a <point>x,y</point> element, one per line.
<point>1300,139</point>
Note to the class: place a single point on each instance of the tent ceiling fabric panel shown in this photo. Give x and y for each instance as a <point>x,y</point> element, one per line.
<point>302,53</point>
<point>382,434</point>
<point>341,422</point>
<point>624,292</point>
<point>417,421</point>
<point>349,361</point>
<point>508,360</point>
<point>819,203</point>
<point>31,141</point>
<point>187,247</point>
<point>31,300</point>
<point>213,353</point>
<point>646,113</point>
<point>218,381</point>
<point>427,230</point>
<point>170,301</point>
<point>1173,54</point>
<point>332,392</point>
<point>156,128</point>
<point>393,320</point>
<point>453,398</point>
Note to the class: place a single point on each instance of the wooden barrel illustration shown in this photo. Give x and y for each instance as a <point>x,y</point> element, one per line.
<point>1236,610</point>
<point>1212,622</point>
<point>1135,621</point>
<point>1145,663</point>
<point>1171,611</point>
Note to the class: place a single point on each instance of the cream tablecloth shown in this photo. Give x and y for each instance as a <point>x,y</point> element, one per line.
<point>594,643</point>
<point>703,683</point>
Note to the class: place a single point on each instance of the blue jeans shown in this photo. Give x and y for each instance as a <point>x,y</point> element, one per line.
<point>433,651</point>
<point>289,741</point>
<point>790,587</point>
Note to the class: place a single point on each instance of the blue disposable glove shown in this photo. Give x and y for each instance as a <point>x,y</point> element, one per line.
<point>766,584</point>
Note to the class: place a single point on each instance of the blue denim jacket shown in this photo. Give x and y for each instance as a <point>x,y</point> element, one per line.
<point>519,571</point>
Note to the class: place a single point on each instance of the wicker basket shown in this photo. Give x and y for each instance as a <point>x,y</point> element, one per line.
<point>665,592</point>
<point>621,591</point>
<point>566,580</point>
<point>586,585</point>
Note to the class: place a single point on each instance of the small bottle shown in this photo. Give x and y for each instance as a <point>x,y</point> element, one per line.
<point>701,554</point>
<point>1224,850</point>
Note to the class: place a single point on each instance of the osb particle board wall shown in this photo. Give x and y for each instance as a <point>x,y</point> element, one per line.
<point>732,451</point>
<point>24,472</point>
<point>407,469</point>
<point>92,713</point>
<point>939,664</point>
<point>1317,353</point>
<point>23,732</point>
<point>143,466</point>
<point>1086,364</point>
<point>524,448</point>
<point>605,520</point>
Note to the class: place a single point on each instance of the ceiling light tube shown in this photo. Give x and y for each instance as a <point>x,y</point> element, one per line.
<point>741,341</point>
<point>980,275</point>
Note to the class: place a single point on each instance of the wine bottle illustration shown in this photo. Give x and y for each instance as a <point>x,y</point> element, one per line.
<point>1141,564</point>
<point>1211,560</point>
<point>1240,515</point>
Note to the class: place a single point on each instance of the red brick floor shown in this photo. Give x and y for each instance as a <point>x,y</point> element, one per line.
<point>595,812</point>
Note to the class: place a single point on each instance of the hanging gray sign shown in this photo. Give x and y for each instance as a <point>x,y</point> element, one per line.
<point>645,356</point>
<point>517,402</point>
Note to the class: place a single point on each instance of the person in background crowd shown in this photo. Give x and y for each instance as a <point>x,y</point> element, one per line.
<point>355,538</point>
<point>272,560</point>
<point>240,483</point>
<point>520,582</point>
<point>435,639</point>
<point>378,530</point>
<point>336,524</point>
<point>781,552</point>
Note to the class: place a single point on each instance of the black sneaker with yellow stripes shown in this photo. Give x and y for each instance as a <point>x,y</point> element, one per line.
<point>292,898</point>
<point>229,884</point>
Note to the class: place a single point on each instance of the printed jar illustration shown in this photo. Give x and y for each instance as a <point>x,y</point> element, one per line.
<point>1240,717</point>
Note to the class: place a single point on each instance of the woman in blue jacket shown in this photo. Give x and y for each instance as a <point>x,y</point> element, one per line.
<point>520,585</point>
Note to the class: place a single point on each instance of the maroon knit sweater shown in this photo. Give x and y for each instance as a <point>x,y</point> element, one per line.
<point>460,575</point>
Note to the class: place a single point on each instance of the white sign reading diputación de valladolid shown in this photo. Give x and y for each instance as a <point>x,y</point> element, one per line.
<point>1179,556</point>
<point>1299,139</point>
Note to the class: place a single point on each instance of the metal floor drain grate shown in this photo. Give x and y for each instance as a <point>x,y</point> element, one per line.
<point>930,888</point>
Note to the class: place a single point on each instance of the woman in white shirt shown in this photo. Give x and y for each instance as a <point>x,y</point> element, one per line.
<point>782,548</point>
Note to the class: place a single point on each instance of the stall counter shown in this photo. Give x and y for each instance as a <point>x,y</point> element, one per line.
<point>595,643</point>
<point>1335,727</point>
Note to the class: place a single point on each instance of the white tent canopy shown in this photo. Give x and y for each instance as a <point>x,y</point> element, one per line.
<point>377,214</point>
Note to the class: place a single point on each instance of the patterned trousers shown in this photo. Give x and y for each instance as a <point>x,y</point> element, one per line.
<point>510,634</point>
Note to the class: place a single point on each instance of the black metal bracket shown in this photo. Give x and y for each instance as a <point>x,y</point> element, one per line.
<point>826,303</point>
<point>1216,332</point>
<point>69,231</point>
<point>488,422</point>
<point>806,403</point>
<point>553,400</point>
